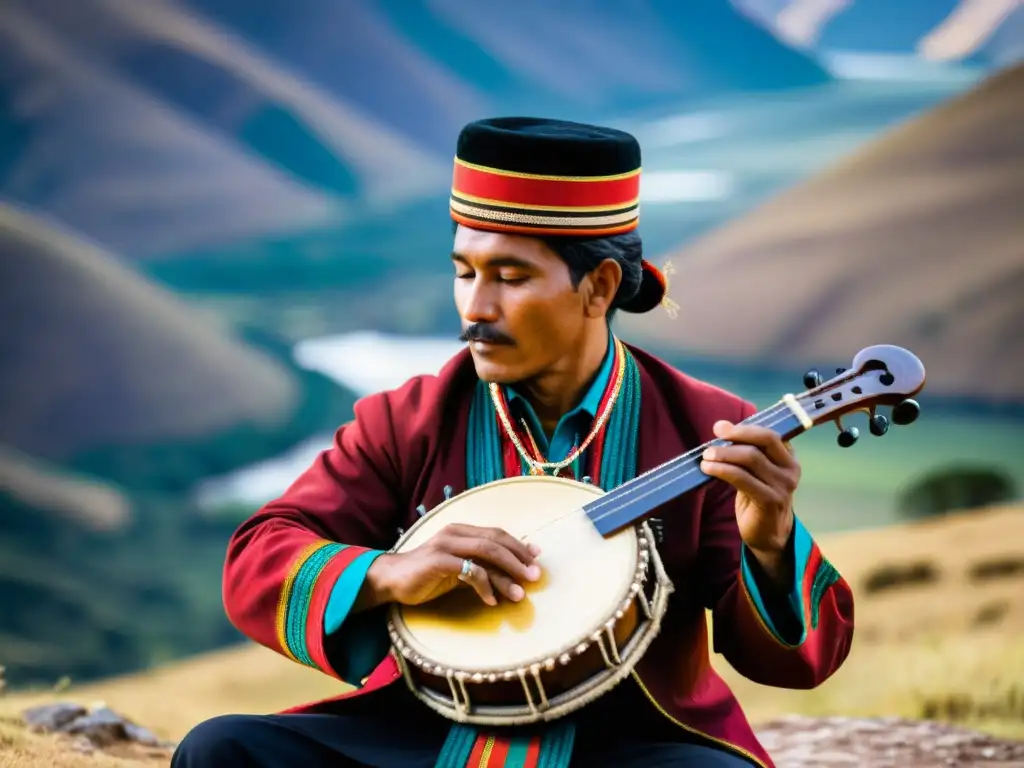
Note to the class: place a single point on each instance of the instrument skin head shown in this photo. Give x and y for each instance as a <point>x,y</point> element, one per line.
<point>583,612</point>
<point>582,574</point>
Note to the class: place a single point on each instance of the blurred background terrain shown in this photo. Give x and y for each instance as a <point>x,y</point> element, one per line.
<point>221,222</point>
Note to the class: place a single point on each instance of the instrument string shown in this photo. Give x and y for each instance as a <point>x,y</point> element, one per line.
<point>655,479</point>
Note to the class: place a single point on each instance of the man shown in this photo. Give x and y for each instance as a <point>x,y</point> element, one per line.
<point>545,252</point>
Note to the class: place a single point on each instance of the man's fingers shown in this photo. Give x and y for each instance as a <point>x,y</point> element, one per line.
<point>742,480</point>
<point>764,438</point>
<point>477,577</point>
<point>506,586</point>
<point>749,457</point>
<point>525,553</point>
<point>502,563</point>
<point>489,553</point>
<point>479,580</point>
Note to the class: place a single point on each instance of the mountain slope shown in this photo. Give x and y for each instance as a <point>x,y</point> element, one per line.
<point>116,398</point>
<point>95,355</point>
<point>987,33</point>
<point>914,240</point>
<point>44,488</point>
<point>159,128</point>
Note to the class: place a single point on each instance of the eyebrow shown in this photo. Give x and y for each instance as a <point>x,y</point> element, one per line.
<point>500,260</point>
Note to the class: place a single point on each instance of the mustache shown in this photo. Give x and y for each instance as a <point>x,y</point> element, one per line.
<point>485,332</point>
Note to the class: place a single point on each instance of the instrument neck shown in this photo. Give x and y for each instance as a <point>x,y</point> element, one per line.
<point>640,497</point>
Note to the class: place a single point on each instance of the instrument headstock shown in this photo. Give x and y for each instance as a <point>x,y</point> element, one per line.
<point>881,375</point>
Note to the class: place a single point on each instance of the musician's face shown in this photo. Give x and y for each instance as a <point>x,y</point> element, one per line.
<point>521,313</point>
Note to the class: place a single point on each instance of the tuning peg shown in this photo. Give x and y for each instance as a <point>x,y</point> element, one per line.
<point>447,492</point>
<point>848,437</point>
<point>812,379</point>
<point>421,510</point>
<point>906,412</point>
<point>878,424</point>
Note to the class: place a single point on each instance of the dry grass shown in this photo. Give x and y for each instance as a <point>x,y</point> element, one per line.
<point>949,647</point>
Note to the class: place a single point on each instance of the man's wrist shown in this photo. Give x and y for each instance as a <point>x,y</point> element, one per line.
<point>376,589</point>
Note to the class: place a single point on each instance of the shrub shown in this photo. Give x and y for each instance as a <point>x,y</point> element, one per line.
<point>956,488</point>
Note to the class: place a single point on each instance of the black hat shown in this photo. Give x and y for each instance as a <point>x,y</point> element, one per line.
<point>541,177</point>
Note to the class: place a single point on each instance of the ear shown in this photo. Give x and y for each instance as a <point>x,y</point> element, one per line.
<point>603,282</point>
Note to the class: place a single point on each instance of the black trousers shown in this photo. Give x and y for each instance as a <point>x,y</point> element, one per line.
<point>389,729</point>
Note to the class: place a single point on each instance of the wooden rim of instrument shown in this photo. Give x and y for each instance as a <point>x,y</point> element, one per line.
<point>618,662</point>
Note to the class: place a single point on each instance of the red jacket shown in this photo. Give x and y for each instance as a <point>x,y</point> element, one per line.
<point>401,450</point>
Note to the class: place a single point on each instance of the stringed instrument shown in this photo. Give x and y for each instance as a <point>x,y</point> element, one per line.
<point>604,589</point>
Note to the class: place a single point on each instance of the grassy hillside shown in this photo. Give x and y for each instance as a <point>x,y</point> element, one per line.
<point>940,621</point>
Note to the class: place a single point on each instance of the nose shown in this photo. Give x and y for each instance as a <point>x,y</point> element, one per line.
<point>477,301</point>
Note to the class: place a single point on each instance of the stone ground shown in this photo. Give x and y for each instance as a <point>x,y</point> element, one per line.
<point>841,742</point>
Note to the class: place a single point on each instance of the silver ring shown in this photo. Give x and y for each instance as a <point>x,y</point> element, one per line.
<point>467,569</point>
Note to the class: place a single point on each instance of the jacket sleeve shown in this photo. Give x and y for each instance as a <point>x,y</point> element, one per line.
<point>795,638</point>
<point>293,570</point>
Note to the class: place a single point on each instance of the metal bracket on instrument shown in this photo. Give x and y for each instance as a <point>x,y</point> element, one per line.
<point>461,701</point>
<point>657,528</point>
<point>526,689</point>
<point>610,653</point>
<point>645,604</point>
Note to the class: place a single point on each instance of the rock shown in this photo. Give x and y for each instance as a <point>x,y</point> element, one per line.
<point>142,736</point>
<point>837,742</point>
<point>102,727</point>
<point>98,727</point>
<point>52,717</point>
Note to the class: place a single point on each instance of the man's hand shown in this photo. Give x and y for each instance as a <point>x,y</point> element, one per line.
<point>501,563</point>
<point>765,473</point>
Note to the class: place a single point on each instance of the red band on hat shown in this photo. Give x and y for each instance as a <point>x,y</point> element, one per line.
<point>516,190</point>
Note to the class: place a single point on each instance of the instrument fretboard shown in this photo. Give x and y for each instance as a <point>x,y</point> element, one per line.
<point>640,497</point>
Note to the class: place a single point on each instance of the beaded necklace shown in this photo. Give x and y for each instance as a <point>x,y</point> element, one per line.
<point>540,467</point>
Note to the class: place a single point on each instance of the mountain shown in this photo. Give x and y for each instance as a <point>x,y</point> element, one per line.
<point>428,66</point>
<point>45,488</point>
<point>117,399</point>
<point>913,240</point>
<point>161,128</point>
<point>987,33</point>
<point>94,355</point>
<point>151,132</point>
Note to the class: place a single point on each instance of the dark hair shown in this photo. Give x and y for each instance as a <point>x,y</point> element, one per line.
<point>583,254</point>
